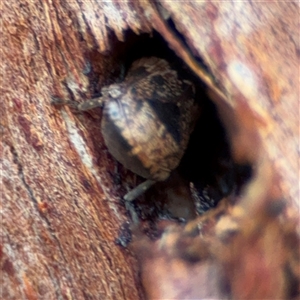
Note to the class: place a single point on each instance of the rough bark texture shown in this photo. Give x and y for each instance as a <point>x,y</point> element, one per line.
<point>60,211</point>
<point>60,206</point>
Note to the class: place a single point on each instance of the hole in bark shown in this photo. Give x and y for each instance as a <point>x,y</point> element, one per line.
<point>207,168</point>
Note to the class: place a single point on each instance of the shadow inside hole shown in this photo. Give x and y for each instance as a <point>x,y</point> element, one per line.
<point>208,164</point>
<point>113,67</point>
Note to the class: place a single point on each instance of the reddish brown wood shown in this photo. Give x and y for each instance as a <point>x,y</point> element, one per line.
<point>61,209</point>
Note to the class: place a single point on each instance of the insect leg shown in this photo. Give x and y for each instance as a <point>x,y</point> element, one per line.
<point>87,105</point>
<point>139,190</point>
<point>60,102</point>
<point>90,104</point>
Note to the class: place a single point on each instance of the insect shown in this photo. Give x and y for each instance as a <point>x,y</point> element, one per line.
<point>147,119</point>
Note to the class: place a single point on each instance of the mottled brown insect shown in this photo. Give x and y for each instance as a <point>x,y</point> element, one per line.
<point>147,119</point>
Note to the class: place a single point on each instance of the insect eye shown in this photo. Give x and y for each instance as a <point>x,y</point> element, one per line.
<point>113,110</point>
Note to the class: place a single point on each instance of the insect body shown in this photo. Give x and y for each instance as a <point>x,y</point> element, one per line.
<point>147,119</point>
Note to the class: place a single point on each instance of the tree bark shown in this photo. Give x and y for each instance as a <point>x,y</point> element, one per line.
<point>60,209</point>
